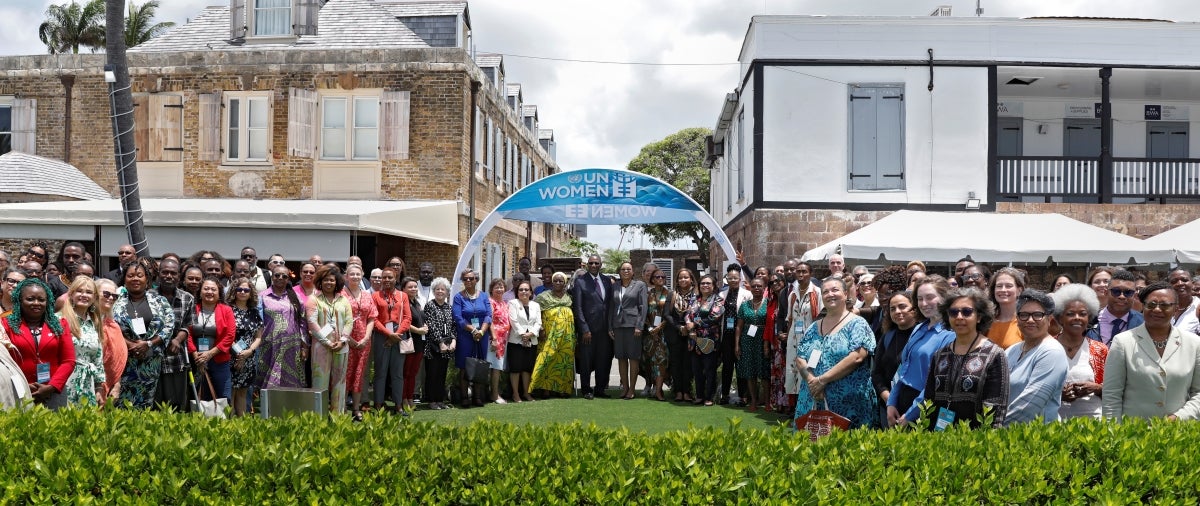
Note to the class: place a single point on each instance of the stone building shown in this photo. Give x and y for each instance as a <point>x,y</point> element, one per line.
<point>376,114</point>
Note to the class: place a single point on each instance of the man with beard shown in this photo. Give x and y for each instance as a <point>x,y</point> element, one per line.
<point>71,253</point>
<point>425,275</point>
<point>173,382</point>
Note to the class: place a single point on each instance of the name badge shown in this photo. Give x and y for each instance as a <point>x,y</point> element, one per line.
<point>204,344</point>
<point>138,325</point>
<point>238,348</point>
<point>752,331</point>
<point>326,331</point>
<point>729,324</point>
<point>43,372</point>
<point>657,321</point>
<point>391,326</point>
<point>814,358</point>
<point>798,328</point>
<point>944,419</point>
<point>475,323</point>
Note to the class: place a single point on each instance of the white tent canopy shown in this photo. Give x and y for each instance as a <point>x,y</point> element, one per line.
<point>989,237</point>
<point>1184,240</point>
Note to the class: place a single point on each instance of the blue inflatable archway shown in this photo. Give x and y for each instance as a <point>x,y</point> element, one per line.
<point>595,197</point>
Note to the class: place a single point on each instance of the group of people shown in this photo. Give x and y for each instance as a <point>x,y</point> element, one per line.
<point>981,347</point>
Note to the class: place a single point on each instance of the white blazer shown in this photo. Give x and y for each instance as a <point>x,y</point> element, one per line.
<point>520,324</point>
<point>1139,383</point>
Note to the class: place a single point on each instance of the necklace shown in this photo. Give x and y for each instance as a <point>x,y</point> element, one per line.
<point>970,347</point>
<point>1160,345</point>
<point>835,325</point>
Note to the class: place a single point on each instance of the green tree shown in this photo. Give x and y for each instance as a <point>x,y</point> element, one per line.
<point>581,248</point>
<point>613,258</point>
<point>69,26</point>
<point>678,160</point>
<point>139,23</point>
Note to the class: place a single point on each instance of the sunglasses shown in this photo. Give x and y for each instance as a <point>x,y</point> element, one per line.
<point>966,312</point>
<point>471,279</point>
<point>1151,306</point>
<point>248,257</point>
<point>279,276</point>
<point>704,283</point>
<point>593,263</point>
<point>108,295</point>
<point>242,290</point>
<point>276,262</point>
<point>1037,316</point>
<point>1117,292</point>
<point>36,254</point>
<point>658,276</point>
<point>972,277</point>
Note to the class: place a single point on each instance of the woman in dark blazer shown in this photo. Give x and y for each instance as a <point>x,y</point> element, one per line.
<point>626,316</point>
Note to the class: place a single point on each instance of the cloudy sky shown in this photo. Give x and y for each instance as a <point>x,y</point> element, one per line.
<point>602,114</point>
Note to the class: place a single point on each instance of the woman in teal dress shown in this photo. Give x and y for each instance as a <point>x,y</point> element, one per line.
<point>752,356</point>
<point>840,377</point>
<point>146,320</point>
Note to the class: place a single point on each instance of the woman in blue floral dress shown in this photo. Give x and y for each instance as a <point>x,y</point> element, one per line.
<point>840,376</point>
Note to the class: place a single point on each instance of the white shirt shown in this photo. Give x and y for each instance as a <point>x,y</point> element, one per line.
<point>424,294</point>
<point>1188,321</point>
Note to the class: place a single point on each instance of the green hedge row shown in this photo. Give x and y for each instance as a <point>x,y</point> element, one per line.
<point>83,456</point>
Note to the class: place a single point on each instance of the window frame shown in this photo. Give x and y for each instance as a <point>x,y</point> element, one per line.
<point>251,26</point>
<point>350,130</point>
<point>6,102</point>
<point>901,112</point>
<point>244,98</point>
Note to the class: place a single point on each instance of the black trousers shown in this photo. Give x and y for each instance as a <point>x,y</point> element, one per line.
<point>680,362</point>
<point>728,363</point>
<point>435,378</point>
<point>705,367</point>
<point>594,358</point>
<point>173,390</point>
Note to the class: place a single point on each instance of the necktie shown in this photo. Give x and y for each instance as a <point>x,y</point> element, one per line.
<point>599,287</point>
<point>1117,326</point>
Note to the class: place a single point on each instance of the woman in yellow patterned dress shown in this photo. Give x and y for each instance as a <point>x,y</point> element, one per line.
<point>554,371</point>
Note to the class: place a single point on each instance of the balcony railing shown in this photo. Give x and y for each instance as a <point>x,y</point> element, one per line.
<point>1059,176</point>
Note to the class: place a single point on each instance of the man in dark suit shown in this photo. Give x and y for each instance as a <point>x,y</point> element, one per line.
<point>125,254</point>
<point>591,295</point>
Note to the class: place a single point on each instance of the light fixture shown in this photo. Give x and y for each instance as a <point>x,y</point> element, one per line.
<point>972,202</point>
<point>1022,80</point>
<point>109,75</point>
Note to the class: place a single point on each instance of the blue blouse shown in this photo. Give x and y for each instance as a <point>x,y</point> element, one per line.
<point>915,360</point>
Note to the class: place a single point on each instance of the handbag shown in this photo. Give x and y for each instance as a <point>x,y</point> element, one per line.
<point>406,345</point>
<point>447,345</point>
<point>214,408</point>
<point>477,370</point>
<point>821,422</point>
<point>705,345</point>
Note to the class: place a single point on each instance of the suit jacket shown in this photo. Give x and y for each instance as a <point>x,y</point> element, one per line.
<point>591,312</point>
<point>1093,332</point>
<point>1139,383</point>
<point>521,324</point>
<point>629,310</point>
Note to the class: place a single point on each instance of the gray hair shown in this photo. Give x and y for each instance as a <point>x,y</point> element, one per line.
<point>1076,292</point>
<point>443,282</point>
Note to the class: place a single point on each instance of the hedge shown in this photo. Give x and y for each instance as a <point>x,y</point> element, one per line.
<point>125,457</point>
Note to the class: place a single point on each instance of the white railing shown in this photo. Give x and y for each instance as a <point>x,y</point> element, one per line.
<point>1048,176</point>
<point>1156,178</point>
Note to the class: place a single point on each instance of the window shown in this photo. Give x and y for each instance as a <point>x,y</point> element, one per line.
<point>272,17</point>
<point>247,127</point>
<point>158,127</point>
<point>18,125</point>
<point>350,128</point>
<point>741,155</point>
<point>876,137</point>
<point>5,125</point>
<point>479,162</point>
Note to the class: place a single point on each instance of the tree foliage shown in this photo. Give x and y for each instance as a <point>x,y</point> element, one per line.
<point>613,258</point>
<point>139,23</point>
<point>678,160</point>
<point>577,247</point>
<point>69,26</point>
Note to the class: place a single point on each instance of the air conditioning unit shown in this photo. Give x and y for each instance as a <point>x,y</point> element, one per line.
<point>713,149</point>
<point>667,266</point>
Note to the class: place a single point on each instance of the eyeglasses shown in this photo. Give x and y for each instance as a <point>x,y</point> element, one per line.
<point>966,312</point>
<point>276,262</point>
<point>658,276</point>
<point>1037,316</point>
<point>36,254</point>
<point>472,278</point>
<point>11,281</point>
<point>706,283</point>
<point>1117,292</point>
<point>279,275</point>
<point>395,264</point>
<point>523,290</point>
<point>1165,306</point>
<point>108,295</point>
<point>593,263</point>
<point>242,290</point>
<point>248,257</point>
<point>864,283</point>
<point>972,277</point>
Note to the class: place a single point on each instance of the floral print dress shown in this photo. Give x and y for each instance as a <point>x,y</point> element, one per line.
<point>248,321</point>
<point>89,366</point>
<point>140,381</point>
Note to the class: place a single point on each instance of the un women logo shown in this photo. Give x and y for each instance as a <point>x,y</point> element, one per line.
<point>624,185</point>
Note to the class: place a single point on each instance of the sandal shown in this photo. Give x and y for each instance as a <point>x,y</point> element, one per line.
<point>708,403</point>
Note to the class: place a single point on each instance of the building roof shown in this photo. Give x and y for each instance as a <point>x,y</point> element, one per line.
<point>529,110</point>
<point>417,9</point>
<point>489,60</point>
<point>341,24</point>
<point>26,173</point>
<point>546,133</point>
<point>513,88</point>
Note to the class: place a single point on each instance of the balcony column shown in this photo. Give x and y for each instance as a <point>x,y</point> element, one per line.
<point>1106,138</point>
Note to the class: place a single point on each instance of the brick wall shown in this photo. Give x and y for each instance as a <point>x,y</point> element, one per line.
<point>1137,220</point>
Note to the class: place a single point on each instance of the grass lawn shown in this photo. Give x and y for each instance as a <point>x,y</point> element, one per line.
<point>637,415</point>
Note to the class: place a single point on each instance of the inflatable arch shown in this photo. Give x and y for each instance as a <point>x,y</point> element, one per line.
<point>595,197</point>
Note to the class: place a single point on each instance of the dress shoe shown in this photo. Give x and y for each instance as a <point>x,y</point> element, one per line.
<point>587,396</point>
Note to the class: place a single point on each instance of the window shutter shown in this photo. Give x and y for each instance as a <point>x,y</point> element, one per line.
<point>166,128</point>
<point>237,19</point>
<point>302,120</point>
<point>889,131</point>
<point>304,16</point>
<point>24,125</point>
<point>394,145</point>
<point>863,157</point>
<point>141,126</point>
<point>210,127</point>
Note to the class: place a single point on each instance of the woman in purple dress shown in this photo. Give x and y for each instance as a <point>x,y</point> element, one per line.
<point>284,344</point>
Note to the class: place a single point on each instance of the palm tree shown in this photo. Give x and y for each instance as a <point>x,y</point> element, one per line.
<point>69,26</point>
<point>139,23</point>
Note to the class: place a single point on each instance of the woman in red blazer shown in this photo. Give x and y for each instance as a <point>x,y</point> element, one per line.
<point>211,337</point>
<point>41,342</point>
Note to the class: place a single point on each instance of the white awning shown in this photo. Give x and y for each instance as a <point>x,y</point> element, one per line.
<point>295,228</point>
<point>1184,240</point>
<point>989,237</point>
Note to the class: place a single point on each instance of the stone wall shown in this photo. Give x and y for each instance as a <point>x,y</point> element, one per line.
<point>1137,220</point>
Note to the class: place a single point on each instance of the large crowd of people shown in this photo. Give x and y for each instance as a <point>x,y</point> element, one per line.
<point>885,349</point>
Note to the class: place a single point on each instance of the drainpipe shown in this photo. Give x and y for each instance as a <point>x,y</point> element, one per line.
<point>471,172</point>
<point>1106,138</point>
<point>68,82</point>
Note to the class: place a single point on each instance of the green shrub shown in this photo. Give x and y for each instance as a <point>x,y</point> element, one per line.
<point>84,456</point>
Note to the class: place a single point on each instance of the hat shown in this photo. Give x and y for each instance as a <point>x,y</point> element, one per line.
<point>866,278</point>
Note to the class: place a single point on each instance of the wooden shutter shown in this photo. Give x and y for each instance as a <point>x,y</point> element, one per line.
<point>166,128</point>
<point>237,19</point>
<point>24,125</point>
<point>210,127</point>
<point>141,126</point>
<point>304,16</point>
<point>394,144</point>
<point>302,121</point>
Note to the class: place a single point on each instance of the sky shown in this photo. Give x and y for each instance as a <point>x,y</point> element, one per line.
<point>677,58</point>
